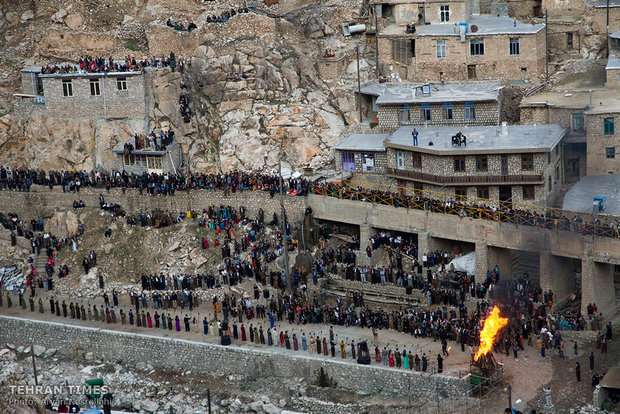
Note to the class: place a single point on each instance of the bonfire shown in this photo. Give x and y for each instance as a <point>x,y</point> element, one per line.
<point>492,324</point>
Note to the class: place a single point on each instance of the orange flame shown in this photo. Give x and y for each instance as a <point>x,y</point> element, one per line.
<point>492,324</point>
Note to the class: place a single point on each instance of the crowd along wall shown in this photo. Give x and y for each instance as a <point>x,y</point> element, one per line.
<point>217,360</point>
<point>41,202</point>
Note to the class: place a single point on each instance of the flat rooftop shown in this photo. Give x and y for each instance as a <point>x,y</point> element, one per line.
<point>480,139</point>
<point>602,4</point>
<point>392,93</point>
<point>613,62</point>
<point>147,151</point>
<point>581,196</point>
<point>363,142</point>
<point>487,25</point>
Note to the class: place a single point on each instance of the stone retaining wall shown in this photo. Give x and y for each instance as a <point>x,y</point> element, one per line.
<point>217,360</point>
<point>41,202</point>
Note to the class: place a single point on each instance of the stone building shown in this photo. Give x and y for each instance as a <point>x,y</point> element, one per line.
<point>517,163</point>
<point>167,161</point>
<point>451,40</point>
<point>362,153</point>
<point>394,104</point>
<point>603,142</point>
<point>110,95</point>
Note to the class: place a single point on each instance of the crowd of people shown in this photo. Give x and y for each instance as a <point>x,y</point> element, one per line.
<point>152,141</point>
<point>505,212</point>
<point>237,181</point>
<point>88,64</point>
<point>226,15</point>
<point>180,26</point>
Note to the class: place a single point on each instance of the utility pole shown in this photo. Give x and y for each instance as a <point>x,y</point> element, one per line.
<point>34,365</point>
<point>607,29</point>
<point>547,46</point>
<point>359,85</point>
<point>377,39</point>
<point>283,222</point>
<point>510,397</point>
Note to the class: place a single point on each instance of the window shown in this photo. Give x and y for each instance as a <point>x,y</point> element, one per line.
<point>610,152</point>
<point>400,160</point>
<point>459,164</point>
<point>608,126</point>
<point>368,163</point>
<point>95,89</point>
<point>550,186</point>
<point>402,50</point>
<point>121,84</point>
<point>447,112</point>
<point>482,192</point>
<point>476,47</point>
<point>348,161</point>
<point>425,112</point>
<point>527,162</point>
<point>470,111</point>
<point>513,44</point>
<point>577,122</point>
<point>460,194</point>
<point>67,87</point>
<point>441,49</point>
<point>134,160</point>
<point>528,192</point>
<point>482,163</point>
<point>153,163</point>
<point>569,39</point>
<point>417,160</point>
<point>404,114</point>
<point>444,13</point>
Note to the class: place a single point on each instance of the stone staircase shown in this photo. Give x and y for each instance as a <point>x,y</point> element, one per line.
<point>40,261</point>
<point>526,261</point>
<point>383,294</point>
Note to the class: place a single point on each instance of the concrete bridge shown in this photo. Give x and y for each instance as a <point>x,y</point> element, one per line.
<point>559,255</point>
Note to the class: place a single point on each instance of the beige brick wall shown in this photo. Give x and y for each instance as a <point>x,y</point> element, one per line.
<point>597,142</point>
<point>458,11</point>
<point>29,83</point>
<point>613,78</point>
<point>564,8</point>
<point>487,113</point>
<point>496,63</point>
<point>111,103</point>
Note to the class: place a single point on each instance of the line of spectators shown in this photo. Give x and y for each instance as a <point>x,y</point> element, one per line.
<point>88,64</point>
<point>180,26</point>
<point>226,15</point>
<point>167,184</point>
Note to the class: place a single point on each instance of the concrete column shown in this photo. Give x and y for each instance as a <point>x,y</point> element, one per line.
<point>366,232</point>
<point>597,286</point>
<point>556,274</point>
<point>423,244</point>
<point>482,260</point>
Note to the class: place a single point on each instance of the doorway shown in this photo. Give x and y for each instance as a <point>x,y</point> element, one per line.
<point>471,71</point>
<point>505,193</point>
<point>504,164</point>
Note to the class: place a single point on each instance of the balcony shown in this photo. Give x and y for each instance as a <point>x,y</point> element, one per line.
<point>465,179</point>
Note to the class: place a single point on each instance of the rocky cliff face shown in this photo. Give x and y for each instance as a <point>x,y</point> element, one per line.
<point>280,103</point>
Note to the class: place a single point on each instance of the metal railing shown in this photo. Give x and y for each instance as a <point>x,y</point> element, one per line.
<point>482,209</point>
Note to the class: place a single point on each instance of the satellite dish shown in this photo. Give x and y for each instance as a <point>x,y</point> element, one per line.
<point>474,28</point>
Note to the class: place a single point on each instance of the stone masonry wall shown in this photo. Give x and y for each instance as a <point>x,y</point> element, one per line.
<point>41,202</point>
<point>487,113</point>
<point>111,103</point>
<point>217,360</point>
<point>597,143</point>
